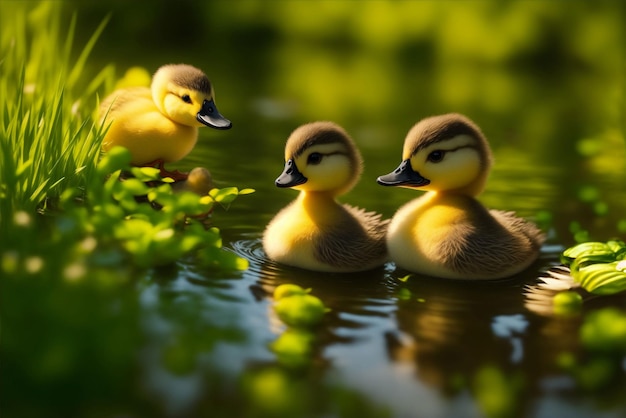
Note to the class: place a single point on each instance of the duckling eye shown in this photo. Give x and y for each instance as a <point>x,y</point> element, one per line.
<point>436,156</point>
<point>314,158</point>
<point>186,98</point>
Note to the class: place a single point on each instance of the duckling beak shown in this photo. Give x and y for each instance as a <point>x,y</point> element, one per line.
<point>210,116</point>
<point>404,175</point>
<point>290,176</point>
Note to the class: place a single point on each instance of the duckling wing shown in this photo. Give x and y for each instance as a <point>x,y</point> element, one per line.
<point>357,240</point>
<point>492,243</point>
<point>520,227</point>
<point>123,99</point>
<point>372,222</point>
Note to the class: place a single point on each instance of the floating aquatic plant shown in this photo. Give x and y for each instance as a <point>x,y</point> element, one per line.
<point>297,308</point>
<point>598,267</point>
<point>300,311</point>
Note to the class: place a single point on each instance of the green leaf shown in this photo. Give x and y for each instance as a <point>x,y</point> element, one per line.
<point>225,195</point>
<point>602,278</point>
<point>588,259</point>
<point>619,248</point>
<point>146,173</point>
<point>189,242</point>
<point>586,248</point>
<point>135,187</point>
<point>300,310</point>
<point>161,194</point>
<point>133,229</point>
<point>166,234</point>
<point>22,167</point>
<point>404,278</point>
<point>117,158</point>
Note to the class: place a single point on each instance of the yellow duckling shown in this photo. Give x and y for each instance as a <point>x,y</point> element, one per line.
<point>447,232</point>
<point>316,232</point>
<point>160,124</point>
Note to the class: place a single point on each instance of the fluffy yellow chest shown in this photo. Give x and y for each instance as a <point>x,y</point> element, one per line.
<point>419,227</point>
<point>290,238</point>
<point>137,124</point>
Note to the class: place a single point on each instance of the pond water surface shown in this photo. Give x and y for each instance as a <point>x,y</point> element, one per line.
<point>422,347</point>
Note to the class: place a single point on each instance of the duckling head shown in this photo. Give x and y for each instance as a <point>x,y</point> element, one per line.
<point>443,153</point>
<point>321,157</point>
<point>185,95</point>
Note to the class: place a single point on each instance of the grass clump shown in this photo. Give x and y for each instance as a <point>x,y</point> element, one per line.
<point>48,142</point>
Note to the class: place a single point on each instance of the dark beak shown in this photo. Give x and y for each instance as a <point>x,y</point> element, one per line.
<point>210,116</point>
<point>290,176</point>
<point>403,176</point>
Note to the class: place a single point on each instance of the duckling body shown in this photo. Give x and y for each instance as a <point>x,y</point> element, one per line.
<point>160,124</point>
<point>447,232</point>
<point>315,231</point>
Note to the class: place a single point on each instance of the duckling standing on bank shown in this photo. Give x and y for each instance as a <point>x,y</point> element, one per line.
<point>315,232</point>
<point>447,232</point>
<point>160,124</point>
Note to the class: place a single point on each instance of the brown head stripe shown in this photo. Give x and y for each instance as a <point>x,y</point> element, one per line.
<point>323,137</point>
<point>192,78</point>
<point>445,130</point>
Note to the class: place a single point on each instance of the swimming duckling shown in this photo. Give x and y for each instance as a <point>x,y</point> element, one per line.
<point>447,232</point>
<point>316,232</point>
<point>160,124</point>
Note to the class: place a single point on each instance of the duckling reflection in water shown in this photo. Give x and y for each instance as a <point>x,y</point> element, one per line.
<point>160,124</point>
<point>447,232</point>
<point>316,232</point>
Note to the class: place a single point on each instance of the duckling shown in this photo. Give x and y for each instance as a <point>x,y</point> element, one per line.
<point>315,232</point>
<point>447,232</point>
<point>160,124</point>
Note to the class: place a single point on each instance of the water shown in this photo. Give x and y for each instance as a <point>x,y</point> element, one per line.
<point>423,347</point>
